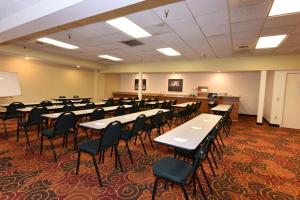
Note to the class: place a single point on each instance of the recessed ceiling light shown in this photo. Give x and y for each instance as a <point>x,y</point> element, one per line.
<point>219,71</point>
<point>110,57</point>
<point>169,51</point>
<point>78,66</point>
<point>57,43</point>
<point>128,27</point>
<point>27,58</point>
<point>282,7</point>
<point>269,41</point>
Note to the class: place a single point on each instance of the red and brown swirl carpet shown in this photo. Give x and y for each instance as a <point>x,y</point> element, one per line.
<point>260,162</point>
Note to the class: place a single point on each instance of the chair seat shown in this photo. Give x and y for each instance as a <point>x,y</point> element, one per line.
<point>23,123</point>
<point>48,132</point>
<point>5,117</point>
<point>172,169</point>
<point>148,127</point>
<point>126,135</point>
<point>91,147</point>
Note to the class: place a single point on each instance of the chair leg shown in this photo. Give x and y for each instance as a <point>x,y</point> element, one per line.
<point>219,145</point>
<point>143,144</point>
<point>150,141</point>
<point>118,157</point>
<point>97,170</point>
<point>53,150</point>
<point>41,147</point>
<point>213,159</point>
<point>18,131</point>
<point>154,188</point>
<point>78,163</point>
<point>39,129</point>
<point>129,152</point>
<point>206,179</point>
<point>215,147</point>
<point>200,186</point>
<point>184,192</point>
<point>221,139</point>
<point>26,133</point>
<point>211,167</point>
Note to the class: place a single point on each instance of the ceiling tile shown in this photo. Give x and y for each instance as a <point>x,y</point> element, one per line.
<point>206,7</point>
<point>177,11</point>
<point>246,13</point>
<point>252,25</point>
<point>214,23</point>
<point>284,20</point>
<point>277,30</point>
<point>145,18</point>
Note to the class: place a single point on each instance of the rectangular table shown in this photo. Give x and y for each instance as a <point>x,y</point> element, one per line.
<point>57,107</point>
<point>83,112</point>
<point>183,105</point>
<point>101,124</point>
<point>65,99</point>
<point>189,135</point>
<point>221,108</point>
<point>30,103</point>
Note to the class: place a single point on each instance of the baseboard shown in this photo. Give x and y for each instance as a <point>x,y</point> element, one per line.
<point>248,115</point>
<point>273,125</point>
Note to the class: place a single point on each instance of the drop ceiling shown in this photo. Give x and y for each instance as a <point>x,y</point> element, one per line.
<point>195,28</point>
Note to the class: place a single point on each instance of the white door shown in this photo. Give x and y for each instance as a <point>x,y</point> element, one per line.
<point>291,112</point>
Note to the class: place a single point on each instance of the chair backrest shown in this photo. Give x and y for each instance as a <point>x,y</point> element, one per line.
<point>68,108</point>
<point>109,102</point>
<point>75,96</point>
<point>199,156</point>
<point>46,103</point>
<point>64,123</point>
<point>111,135</point>
<point>11,110</point>
<point>150,99</point>
<point>85,101</point>
<point>164,105</point>
<point>120,111</point>
<point>174,102</point>
<point>61,97</point>
<point>134,108</point>
<point>90,105</point>
<point>34,116</point>
<point>138,125</point>
<point>142,103</point>
<point>97,114</point>
<point>158,119</point>
<point>121,101</point>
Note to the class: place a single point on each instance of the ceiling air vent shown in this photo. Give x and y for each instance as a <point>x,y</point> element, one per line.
<point>132,43</point>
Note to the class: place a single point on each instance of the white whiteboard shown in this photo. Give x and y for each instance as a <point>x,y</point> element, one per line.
<point>9,84</point>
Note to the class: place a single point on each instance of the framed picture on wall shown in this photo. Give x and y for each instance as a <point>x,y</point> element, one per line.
<point>136,84</point>
<point>175,85</point>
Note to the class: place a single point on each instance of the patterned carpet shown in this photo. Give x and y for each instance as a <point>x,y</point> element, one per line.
<point>260,162</point>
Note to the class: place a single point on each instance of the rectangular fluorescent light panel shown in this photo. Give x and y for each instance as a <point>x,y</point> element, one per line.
<point>57,43</point>
<point>269,41</point>
<point>110,57</point>
<point>128,27</point>
<point>169,52</point>
<point>282,7</point>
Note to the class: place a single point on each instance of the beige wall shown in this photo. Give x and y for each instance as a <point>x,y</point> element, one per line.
<point>243,84</point>
<point>41,80</point>
<point>111,84</point>
<point>228,64</point>
<point>269,96</point>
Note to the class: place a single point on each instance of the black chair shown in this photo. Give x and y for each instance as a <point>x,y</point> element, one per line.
<point>109,139</point>
<point>12,113</point>
<point>62,97</point>
<point>90,105</point>
<point>68,108</point>
<point>121,101</point>
<point>135,108</point>
<point>168,119</point>
<point>64,124</point>
<point>156,123</point>
<point>136,131</point>
<point>97,114</point>
<point>142,104</point>
<point>179,172</point>
<point>120,111</point>
<point>75,96</point>
<point>46,103</point>
<point>109,102</point>
<point>164,105</point>
<point>34,119</point>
